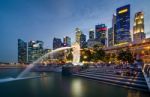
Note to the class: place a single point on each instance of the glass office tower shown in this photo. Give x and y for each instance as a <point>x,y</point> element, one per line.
<point>123,24</point>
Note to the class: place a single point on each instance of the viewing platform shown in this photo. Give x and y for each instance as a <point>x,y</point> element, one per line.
<point>110,75</point>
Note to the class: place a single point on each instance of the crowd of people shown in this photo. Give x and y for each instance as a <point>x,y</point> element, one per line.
<point>119,69</point>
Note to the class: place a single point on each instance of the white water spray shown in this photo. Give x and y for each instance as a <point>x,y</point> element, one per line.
<point>76,60</point>
<point>40,59</point>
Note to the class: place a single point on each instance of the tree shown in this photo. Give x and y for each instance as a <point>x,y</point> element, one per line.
<point>99,54</point>
<point>107,57</point>
<point>86,55</point>
<point>125,56</point>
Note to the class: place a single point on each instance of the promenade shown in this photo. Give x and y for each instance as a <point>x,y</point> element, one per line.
<point>120,75</point>
<point>9,66</point>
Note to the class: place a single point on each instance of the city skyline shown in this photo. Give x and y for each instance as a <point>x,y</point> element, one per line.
<point>27,28</point>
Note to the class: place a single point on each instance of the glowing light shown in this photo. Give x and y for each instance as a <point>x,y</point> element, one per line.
<point>142,17</point>
<point>142,30</point>
<point>130,44</point>
<point>77,88</point>
<point>101,29</point>
<point>123,11</point>
<point>85,57</point>
<point>143,41</point>
<point>148,47</point>
<point>121,44</point>
<point>142,52</point>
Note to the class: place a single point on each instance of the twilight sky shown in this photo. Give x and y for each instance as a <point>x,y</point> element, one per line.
<point>45,19</point>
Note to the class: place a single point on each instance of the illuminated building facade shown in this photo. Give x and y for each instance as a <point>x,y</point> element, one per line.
<point>83,41</point>
<point>91,34</point>
<point>66,41</point>
<point>110,37</point>
<point>100,33</point>
<point>91,41</point>
<point>123,24</point>
<point>140,50</point>
<point>35,50</point>
<point>57,43</point>
<point>22,51</point>
<point>138,27</point>
<point>114,29</point>
<point>80,38</point>
<point>78,35</point>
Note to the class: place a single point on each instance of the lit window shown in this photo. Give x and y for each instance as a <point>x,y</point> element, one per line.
<point>123,11</point>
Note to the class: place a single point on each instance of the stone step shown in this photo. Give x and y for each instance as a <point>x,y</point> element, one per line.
<point>114,75</point>
<point>98,70</point>
<point>101,69</point>
<point>117,82</point>
<point>116,78</point>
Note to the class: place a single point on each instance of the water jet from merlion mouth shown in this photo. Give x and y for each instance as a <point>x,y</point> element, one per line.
<point>38,60</point>
<point>75,52</point>
<point>76,61</point>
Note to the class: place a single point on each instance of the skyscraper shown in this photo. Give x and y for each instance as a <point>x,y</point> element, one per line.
<point>78,35</point>
<point>123,24</point>
<point>22,51</point>
<point>138,27</point>
<point>35,50</point>
<point>91,34</point>
<point>80,38</point>
<point>57,43</point>
<point>114,29</point>
<point>100,33</point>
<point>91,42</point>
<point>66,41</point>
<point>83,41</point>
<point>110,37</point>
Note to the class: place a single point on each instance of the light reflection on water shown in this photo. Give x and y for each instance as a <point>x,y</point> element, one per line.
<point>56,85</point>
<point>77,88</point>
<point>133,94</point>
<point>45,81</point>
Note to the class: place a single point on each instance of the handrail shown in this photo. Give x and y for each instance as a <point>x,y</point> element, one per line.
<point>146,78</point>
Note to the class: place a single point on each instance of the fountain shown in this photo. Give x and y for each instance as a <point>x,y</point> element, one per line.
<point>76,60</point>
<point>38,60</point>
